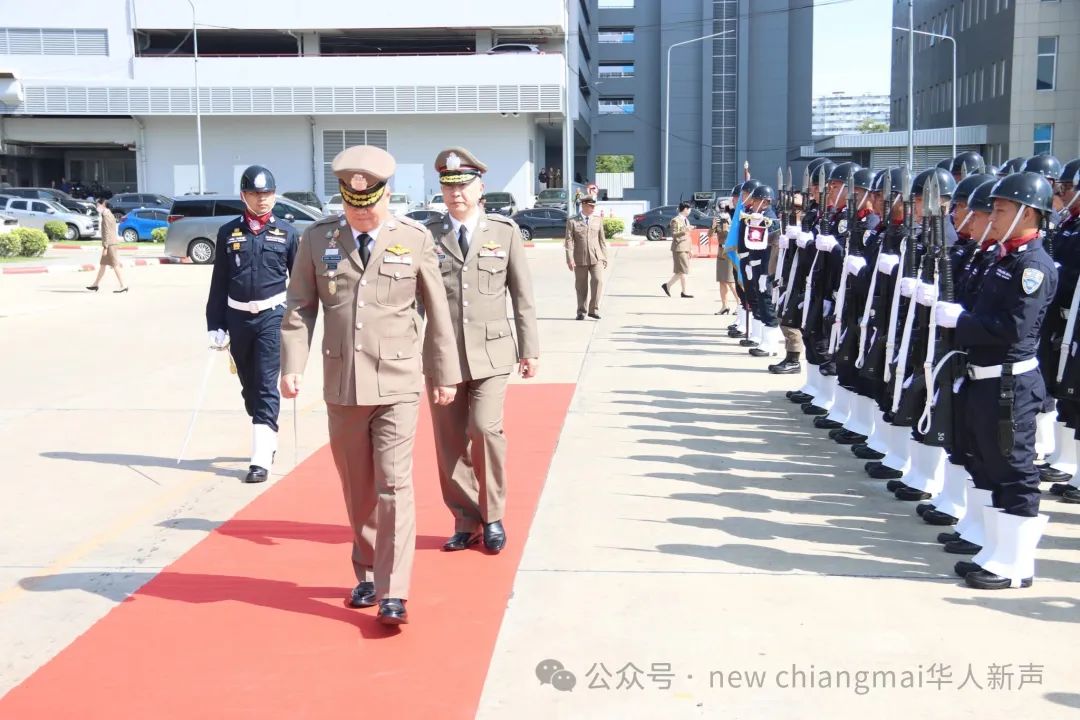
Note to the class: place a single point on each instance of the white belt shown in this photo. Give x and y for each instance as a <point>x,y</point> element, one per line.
<point>257,306</point>
<point>984,372</point>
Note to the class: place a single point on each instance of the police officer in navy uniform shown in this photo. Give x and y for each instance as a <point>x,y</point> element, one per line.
<point>1006,391</point>
<point>252,263</point>
<point>760,268</point>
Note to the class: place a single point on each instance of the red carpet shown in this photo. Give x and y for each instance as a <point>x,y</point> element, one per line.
<point>251,623</point>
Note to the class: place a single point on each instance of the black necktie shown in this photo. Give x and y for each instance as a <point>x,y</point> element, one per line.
<point>365,251</point>
<point>463,241</point>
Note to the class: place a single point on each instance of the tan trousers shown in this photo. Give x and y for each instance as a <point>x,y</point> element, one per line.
<point>470,448</point>
<point>589,278</point>
<point>372,447</point>
<point>793,342</point>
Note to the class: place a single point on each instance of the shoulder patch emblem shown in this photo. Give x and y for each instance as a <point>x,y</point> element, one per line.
<point>1031,280</point>
<point>841,227</point>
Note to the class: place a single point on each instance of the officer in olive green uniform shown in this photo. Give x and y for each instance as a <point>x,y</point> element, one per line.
<point>586,256</point>
<point>365,269</point>
<point>482,261</point>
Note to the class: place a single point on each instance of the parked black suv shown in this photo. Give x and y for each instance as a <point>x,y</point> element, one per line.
<point>82,207</point>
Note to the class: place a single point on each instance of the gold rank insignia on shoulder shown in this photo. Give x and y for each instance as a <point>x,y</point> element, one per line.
<point>237,232</point>
<point>398,250</point>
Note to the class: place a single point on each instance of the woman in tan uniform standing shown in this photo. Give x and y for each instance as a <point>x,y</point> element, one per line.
<point>110,249</point>
<point>680,249</point>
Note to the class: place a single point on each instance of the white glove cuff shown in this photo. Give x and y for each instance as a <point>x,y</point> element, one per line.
<point>784,242</point>
<point>793,232</point>
<point>804,239</point>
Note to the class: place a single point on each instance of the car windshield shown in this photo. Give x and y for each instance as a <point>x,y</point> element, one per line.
<point>397,199</point>
<point>334,200</point>
<point>437,199</point>
<point>56,206</point>
<point>552,194</point>
<point>499,197</point>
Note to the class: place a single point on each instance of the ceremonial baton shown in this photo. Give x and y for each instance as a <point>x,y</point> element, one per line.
<point>198,402</point>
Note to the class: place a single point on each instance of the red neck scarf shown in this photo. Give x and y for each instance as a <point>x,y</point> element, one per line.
<point>256,222</point>
<point>1013,243</point>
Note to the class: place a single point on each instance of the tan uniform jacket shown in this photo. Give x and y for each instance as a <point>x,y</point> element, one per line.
<point>108,229</point>
<point>585,244</point>
<point>679,228</point>
<point>477,287</point>
<point>371,330</point>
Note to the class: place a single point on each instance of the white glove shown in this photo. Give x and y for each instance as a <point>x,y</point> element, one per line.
<point>887,263</point>
<point>825,243</point>
<point>762,284</point>
<point>946,314</point>
<point>792,232</point>
<point>757,217</point>
<point>219,339</point>
<point>783,242</point>
<point>907,286</point>
<point>854,264</point>
<point>804,239</point>
<point>926,294</point>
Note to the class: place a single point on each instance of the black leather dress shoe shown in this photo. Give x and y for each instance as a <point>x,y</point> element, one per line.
<point>964,568</point>
<point>910,494</point>
<point>1059,488</point>
<point>962,547</point>
<point>460,541</point>
<point>758,352</point>
<point>788,367</point>
<point>865,452</point>
<point>894,485</point>
<point>594,315</point>
<point>666,289</point>
<point>363,595</point>
<point>686,296</point>
<point>921,508</point>
<point>1071,496</point>
<point>580,316</point>
<point>800,398</point>
<point>256,474</point>
<point>938,518</point>
<point>947,537</point>
<point>846,437</point>
<point>494,537</point>
<point>986,580</point>
<point>812,409</point>
<point>882,472</point>
<point>1051,474</point>
<point>747,343</point>
<point>735,332</point>
<point>823,423</point>
<point>392,612</point>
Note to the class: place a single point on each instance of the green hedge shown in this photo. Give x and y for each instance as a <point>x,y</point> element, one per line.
<point>612,227</point>
<point>158,234</point>
<point>34,242</point>
<point>55,230</point>
<point>10,245</point>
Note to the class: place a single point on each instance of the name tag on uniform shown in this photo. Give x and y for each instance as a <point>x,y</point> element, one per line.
<point>1003,273</point>
<point>398,259</point>
<point>275,238</point>
<point>331,258</point>
<point>439,253</point>
<point>493,253</point>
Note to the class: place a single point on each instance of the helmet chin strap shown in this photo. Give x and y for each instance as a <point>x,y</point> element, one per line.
<point>1016,221</point>
<point>251,210</point>
<point>986,233</point>
<point>967,218</point>
<point>836,198</point>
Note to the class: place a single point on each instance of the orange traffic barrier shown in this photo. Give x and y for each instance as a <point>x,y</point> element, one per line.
<point>703,244</point>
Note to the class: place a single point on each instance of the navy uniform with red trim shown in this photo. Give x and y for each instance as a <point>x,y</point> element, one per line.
<point>253,259</point>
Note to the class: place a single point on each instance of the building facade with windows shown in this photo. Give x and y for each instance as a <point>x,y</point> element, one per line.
<point>745,96</point>
<point>1013,73</point>
<point>839,112</point>
<point>108,93</point>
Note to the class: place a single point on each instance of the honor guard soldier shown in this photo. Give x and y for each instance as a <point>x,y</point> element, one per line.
<point>252,262</point>
<point>586,256</point>
<point>1006,391</point>
<point>366,270</point>
<point>762,241</point>
<point>482,263</point>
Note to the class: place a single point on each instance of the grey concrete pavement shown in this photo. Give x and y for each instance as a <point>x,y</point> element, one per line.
<point>695,522</point>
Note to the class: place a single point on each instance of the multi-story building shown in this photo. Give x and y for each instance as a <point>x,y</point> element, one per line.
<point>1011,70</point>
<point>744,96</point>
<point>109,91</point>
<point>840,112</point>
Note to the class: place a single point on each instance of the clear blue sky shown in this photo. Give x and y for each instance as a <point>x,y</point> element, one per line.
<point>852,46</point>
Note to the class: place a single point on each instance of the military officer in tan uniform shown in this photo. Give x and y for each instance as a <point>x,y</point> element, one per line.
<point>482,261</point>
<point>680,250</point>
<point>586,256</point>
<point>366,269</point>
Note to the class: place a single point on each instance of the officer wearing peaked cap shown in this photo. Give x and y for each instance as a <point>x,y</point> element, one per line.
<point>366,270</point>
<point>482,263</point>
<point>586,256</point>
<point>243,311</point>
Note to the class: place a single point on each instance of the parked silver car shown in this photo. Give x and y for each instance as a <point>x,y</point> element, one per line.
<point>35,213</point>
<point>195,220</point>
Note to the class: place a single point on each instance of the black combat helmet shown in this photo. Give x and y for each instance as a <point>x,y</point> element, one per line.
<point>979,200</point>
<point>1027,188</point>
<point>1011,166</point>
<point>967,163</point>
<point>257,179</point>
<point>749,186</point>
<point>946,165</point>
<point>878,184</point>
<point>946,182</point>
<point>1044,164</point>
<point>967,186</point>
<point>843,171</point>
<point>864,178</point>
<point>763,192</point>
<point>1070,171</point>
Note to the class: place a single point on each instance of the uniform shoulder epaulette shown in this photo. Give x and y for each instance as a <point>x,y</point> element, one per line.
<point>500,218</point>
<point>410,223</point>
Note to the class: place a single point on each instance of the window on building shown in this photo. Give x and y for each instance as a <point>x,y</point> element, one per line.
<point>993,80</point>
<point>334,141</point>
<point>615,4</point>
<point>982,83</point>
<point>1001,79</point>
<point>616,105</point>
<point>1047,63</point>
<point>1044,139</point>
<point>585,11</point>
<point>616,70</point>
<point>584,45</point>
<point>616,35</point>
<point>53,41</point>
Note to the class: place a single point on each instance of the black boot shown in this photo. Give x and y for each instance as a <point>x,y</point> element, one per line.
<point>865,452</point>
<point>788,366</point>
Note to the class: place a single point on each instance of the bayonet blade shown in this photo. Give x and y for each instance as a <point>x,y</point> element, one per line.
<point>789,185</point>
<point>905,182</point>
<point>779,179</point>
<point>931,196</point>
<point>886,185</point>
<point>806,181</point>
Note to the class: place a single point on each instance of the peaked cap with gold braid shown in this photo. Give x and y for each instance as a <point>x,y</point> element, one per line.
<point>362,172</point>
<point>458,166</point>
